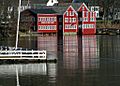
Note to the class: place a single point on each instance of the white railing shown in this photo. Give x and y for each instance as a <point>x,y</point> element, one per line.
<point>23,54</point>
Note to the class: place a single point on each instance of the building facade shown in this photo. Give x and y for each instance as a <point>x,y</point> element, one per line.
<point>47,23</point>
<point>66,18</point>
<point>87,20</point>
<point>70,20</point>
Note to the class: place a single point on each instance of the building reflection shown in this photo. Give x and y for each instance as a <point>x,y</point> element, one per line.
<point>48,43</point>
<point>90,60</point>
<point>28,74</point>
<point>90,52</point>
<point>70,52</point>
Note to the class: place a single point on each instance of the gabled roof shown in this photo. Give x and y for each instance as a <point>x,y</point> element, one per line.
<point>83,4</point>
<point>72,9</point>
<point>60,8</point>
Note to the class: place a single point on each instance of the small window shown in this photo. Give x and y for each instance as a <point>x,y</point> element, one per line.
<point>92,8</point>
<point>72,13</point>
<point>67,13</point>
<point>66,19</point>
<point>60,19</point>
<point>39,27</point>
<point>86,14</point>
<point>82,8</point>
<point>39,19</point>
<point>80,19</point>
<point>97,14</point>
<point>54,19</point>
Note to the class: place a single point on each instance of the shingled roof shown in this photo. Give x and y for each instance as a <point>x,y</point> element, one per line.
<point>43,11</point>
<point>58,9</point>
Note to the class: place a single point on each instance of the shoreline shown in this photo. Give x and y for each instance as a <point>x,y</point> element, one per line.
<point>99,31</point>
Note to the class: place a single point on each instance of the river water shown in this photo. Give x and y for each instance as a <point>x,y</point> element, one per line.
<point>87,60</point>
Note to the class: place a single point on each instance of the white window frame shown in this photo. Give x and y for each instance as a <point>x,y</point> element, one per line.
<point>66,13</point>
<point>71,13</point>
<point>66,19</point>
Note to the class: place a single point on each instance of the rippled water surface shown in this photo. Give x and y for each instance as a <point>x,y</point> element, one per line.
<point>82,61</point>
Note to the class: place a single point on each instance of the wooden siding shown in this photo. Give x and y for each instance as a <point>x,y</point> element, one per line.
<point>47,23</point>
<point>70,20</point>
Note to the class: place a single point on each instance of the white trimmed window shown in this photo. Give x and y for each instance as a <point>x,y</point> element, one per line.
<point>92,19</point>
<point>91,14</point>
<point>70,19</point>
<point>86,14</point>
<point>66,13</point>
<point>73,19</point>
<point>54,19</point>
<point>72,13</point>
<point>82,8</point>
<point>83,26</point>
<point>85,19</point>
<point>66,19</point>
<point>39,19</point>
<point>83,14</point>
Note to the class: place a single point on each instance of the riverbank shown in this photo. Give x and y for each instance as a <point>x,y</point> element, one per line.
<point>99,31</point>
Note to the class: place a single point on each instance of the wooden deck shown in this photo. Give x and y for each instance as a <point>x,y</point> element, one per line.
<point>23,54</point>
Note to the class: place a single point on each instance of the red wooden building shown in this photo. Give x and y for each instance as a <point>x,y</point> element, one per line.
<point>70,20</point>
<point>47,23</point>
<point>49,19</point>
<point>87,20</point>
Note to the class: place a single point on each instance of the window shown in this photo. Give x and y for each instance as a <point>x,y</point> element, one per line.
<point>39,19</point>
<point>86,14</point>
<point>60,19</point>
<point>66,19</point>
<point>92,19</point>
<point>80,19</point>
<point>83,14</point>
<point>74,19</point>
<point>67,13</point>
<point>83,26</point>
<point>70,19</point>
<point>54,19</point>
<point>97,14</point>
<point>92,8</point>
<point>71,13</point>
<point>82,8</point>
<point>39,27</point>
<point>85,19</point>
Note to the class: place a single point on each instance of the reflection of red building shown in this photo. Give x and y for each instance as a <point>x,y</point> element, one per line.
<point>70,20</point>
<point>48,43</point>
<point>90,55</point>
<point>70,52</point>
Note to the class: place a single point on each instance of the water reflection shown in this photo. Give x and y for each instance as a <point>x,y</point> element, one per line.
<point>27,74</point>
<point>25,69</point>
<point>90,52</point>
<point>48,43</point>
<point>70,52</point>
<point>82,61</point>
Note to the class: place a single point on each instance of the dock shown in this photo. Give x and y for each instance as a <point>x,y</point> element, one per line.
<point>24,55</point>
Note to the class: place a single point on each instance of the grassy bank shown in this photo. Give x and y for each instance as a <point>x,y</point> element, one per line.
<point>107,24</point>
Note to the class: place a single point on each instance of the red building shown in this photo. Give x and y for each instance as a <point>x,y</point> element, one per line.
<point>70,20</point>
<point>47,23</point>
<point>87,20</point>
<point>65,18</point>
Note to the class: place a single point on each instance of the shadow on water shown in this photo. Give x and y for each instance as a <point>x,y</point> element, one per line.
<point>87,60</point>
